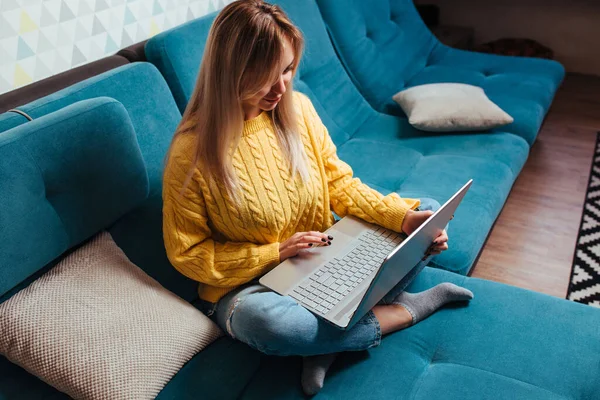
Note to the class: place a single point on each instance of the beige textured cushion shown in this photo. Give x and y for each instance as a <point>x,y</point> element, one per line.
<point>97,327</point>
<point>448,107</point>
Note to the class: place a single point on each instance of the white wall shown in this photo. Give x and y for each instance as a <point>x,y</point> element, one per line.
<point>39,38</point>
<point>569,27</point>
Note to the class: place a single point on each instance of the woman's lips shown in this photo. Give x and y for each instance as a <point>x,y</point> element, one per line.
<point>272,100</point>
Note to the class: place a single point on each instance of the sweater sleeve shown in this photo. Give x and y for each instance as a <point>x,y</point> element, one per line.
<point>189,241</point>
<point>348,195</point>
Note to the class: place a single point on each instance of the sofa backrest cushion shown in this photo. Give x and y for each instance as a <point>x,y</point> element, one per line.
<point>388,43</point>
<point>177,53</point>
<point>144,94</point>
<point>322,76</point>
<point>154,116</point>
<point>64,177</point>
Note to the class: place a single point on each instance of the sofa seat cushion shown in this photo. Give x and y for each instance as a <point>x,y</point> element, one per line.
<point>506,343</point>
<point>386,47</point>
<point>436,167</point>
<point>220,371</point>
<point>16,383</point>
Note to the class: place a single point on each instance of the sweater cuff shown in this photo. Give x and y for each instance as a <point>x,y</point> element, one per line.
<point>269,256</point>
<point>398,207</point>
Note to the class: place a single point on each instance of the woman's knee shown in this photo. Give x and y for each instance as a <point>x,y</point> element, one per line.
<point>271,323</point>
<point>429,204</point>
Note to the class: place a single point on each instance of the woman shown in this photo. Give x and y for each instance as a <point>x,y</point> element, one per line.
<point>251,179</point>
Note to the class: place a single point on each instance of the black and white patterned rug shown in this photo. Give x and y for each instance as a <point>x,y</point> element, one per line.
<point>584,286</point>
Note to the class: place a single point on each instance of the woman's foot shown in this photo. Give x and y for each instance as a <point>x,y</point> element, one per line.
<point>314,369</point>
<point>409,308</point>
<point>422,305</point>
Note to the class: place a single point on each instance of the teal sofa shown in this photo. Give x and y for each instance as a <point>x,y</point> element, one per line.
<point>507,343</point>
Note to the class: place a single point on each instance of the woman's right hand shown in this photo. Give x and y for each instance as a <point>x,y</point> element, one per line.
<point>302,240</point>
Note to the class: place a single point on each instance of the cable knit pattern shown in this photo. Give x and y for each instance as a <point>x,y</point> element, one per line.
<point>287,183</point>
<point>223,244</point>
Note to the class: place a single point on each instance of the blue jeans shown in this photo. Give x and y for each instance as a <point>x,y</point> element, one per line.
<point>277,325</point>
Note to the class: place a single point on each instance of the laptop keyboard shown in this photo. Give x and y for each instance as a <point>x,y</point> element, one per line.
<point>328,285</point>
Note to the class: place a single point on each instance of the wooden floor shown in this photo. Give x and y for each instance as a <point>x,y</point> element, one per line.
<point>533,241</point>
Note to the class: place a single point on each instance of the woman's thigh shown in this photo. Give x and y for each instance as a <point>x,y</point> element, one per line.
<point>277,325</point>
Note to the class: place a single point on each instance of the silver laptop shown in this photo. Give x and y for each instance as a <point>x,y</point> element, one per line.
<point>342,282</point>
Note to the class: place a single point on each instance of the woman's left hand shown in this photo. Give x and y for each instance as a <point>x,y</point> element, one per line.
<point>439,244</point>
<point>414,219</point>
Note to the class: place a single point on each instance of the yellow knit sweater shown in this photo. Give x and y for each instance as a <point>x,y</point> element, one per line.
<point>221,244</point>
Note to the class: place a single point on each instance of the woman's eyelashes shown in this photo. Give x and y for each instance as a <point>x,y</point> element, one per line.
<point>289,68</point>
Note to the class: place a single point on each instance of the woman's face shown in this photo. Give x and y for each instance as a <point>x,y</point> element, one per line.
<point>269,96</point>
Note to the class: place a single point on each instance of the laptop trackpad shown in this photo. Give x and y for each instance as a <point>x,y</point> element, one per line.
<point>338,245</point>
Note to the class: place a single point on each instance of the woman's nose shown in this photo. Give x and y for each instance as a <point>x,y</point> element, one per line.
<point>279,86</point>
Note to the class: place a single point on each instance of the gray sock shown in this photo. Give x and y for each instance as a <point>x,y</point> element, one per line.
<point>314,369</point>
<point>422,305</point>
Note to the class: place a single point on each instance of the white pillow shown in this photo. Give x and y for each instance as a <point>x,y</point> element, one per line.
<point>447,107</point>
<point>97,327</point>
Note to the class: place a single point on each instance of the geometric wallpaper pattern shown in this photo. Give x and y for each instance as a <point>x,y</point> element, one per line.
<point>40,38</point>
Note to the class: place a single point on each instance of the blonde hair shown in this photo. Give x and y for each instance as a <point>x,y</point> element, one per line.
<point>243,54</point>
